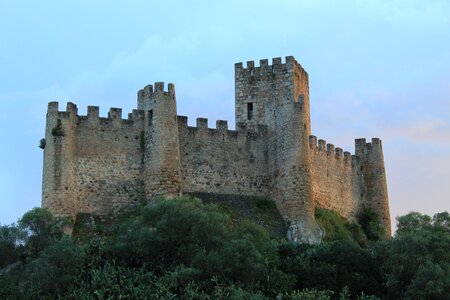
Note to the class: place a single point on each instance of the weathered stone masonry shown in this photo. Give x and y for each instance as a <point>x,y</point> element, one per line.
<point>105,165</point>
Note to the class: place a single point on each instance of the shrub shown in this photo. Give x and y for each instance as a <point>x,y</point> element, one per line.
<point>42,144</point>
<point>41,229</point>
<point>54,270</point>
<point>57,130</point>
<point>337,228</point>
<point>370,223</point>
<point>11,244</point>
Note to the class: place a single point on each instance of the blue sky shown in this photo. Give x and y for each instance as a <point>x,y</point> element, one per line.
<point>376,68</point>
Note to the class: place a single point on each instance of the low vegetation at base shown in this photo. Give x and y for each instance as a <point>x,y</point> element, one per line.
<point>184,249</point>
<point>364,232</point>
<point>261,211</point>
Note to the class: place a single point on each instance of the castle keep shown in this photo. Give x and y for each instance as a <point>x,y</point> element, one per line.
<point>104,165</point>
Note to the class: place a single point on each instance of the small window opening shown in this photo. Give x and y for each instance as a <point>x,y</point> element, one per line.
<point>362,168</point>
<point>150,117</point>
<point>362,195</point>
<point>249,110</point>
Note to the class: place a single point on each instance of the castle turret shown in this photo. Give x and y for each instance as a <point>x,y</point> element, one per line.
<point>372,185</point>
<point>162,170</point>
<point>60,146</point>
<point>277,95</point>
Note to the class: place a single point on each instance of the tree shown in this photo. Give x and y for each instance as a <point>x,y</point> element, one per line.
<point>54,270</point>
<point>41,229</point>
<point>370,223</point>
<point>332,266</point>
<point>167,233</point>
<point>11,244</point>
<point>417,260</point>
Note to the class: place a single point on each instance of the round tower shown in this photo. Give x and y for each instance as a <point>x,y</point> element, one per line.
<point>159,140</point>
<point>372,187</point>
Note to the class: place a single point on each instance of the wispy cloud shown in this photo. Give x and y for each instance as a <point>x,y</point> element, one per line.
<point>436,130</point>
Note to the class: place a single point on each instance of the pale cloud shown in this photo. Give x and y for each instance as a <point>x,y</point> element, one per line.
<point>436,130</point>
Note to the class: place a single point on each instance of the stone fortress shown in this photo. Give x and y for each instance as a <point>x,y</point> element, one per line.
<point>105,165</point>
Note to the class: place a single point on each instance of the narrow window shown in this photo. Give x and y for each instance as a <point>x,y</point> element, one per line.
<point>150,117</point>
<point>362,168</point>
<point>249,110</point>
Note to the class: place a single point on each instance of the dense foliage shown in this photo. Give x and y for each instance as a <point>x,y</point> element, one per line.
<point>182,249</point>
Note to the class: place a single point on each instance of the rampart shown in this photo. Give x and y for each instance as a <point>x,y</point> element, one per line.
<point>107,165</point>
<point>223,161</point>
<point>91,164</point>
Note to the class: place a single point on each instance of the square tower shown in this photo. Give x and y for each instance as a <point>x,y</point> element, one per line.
<point>265,92</point>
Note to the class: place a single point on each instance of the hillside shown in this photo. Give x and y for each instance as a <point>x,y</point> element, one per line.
<point>184,249</point>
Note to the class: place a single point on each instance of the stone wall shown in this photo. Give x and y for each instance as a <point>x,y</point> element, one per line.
<point>95,166</point>
<point>223,161</point>
<point>332,178</point>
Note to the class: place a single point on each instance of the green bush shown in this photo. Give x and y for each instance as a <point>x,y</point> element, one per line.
<point>183,231</point>
<point>309,294</point>
<point>337,228</point>
<point>332,266</point>
<point>370,223</point>
<point>41,229</point>
<point>58,130</point>
<point>170,232</point>
<point>416,262</point>
<point>11,244</point>
<point>42,143</point>
<point>53,271</point>
<point>114,282</point>
<point>182,249</point>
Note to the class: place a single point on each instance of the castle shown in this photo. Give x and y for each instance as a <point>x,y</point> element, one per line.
<point>104,165</point>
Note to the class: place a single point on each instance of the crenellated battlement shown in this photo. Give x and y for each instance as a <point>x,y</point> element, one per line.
<point>264,64</point>
<point>270,71</point>
<point>93,115</point>
<point>363,148</point>
<point>221,130</point>
<point>154,91</point>
<point>321,147</point>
